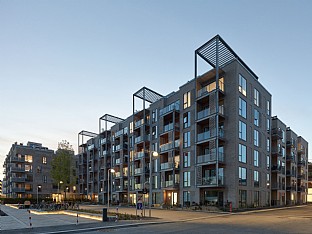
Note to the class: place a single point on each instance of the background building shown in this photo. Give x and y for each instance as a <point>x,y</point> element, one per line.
<point>27,171</point>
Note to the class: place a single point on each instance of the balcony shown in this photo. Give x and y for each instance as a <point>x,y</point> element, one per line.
<point>139,155</point>
<point>170,127</point>
<point>90,147</point>
<point>276,168</point>
<point>139,123</point>
<point>277,186</point>
<point>210,158</point>
<point>117,174</point>
<point>138,139</point>
<point>291,188</point>
<point>169,146</point>
<point>138,186</point>
<point>118,161</point>
<point>18,169</point>
<point>18,190</point>
<point>301,163</point>
<point>212,181</point>
<point>206,112</point>
<point>106,153</point>
<point>290,158</point>
<point>169,183</point>
<point>138,171</point>
<point>209,89</point>
<point>208,135</point>
<point>167,165</point>
<point>290,173</point>
<point>17,159</point>
<point>169,108</point>
<point>18,179</point>
<point>277,133</point>
<point>301,189</point>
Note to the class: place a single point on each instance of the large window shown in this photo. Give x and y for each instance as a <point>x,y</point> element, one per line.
<point>242,198</point>
<point>242,176</point>
<point>242,155</point>
<point>268,144</point>
<point>186,179</point>
<point>242,111</point>
<point>256,198</point>
<point>44,160</point>
<point>268,125</point>
<point>28,158</point>
<point>186,198</point>
<point>256,138</point>
<point>268,108</point>
<point>187,159</point>
<point>45,180</point>
<point>242,133</point>
<point>187,119</point>
<point>268,162</point>
<point>256,97</point>
<point>256,158</point>
<point>256,118</point>
<point>154,116</point>
<point>186,100</point>
<point>256,179</point>
<point>242,86</point>
<point>187,139</point>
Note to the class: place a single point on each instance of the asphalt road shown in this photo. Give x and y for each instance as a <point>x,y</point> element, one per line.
<point>295,220</point>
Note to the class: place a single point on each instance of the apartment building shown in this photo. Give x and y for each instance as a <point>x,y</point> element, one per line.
<point>0,187</point>
<point>309,197</point>
<point>27,171</point>
<point>212,137</point>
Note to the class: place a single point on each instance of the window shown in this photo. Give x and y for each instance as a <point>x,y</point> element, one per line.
<point>44,179</point>
<point>268,144</point>
<point>256,198</point>
<point>186,179</point>
<point>284,137</point>
<point>44,160</point>
<point>256,158</point>
<point>268,108</point>
<point>39,169</point>
<point>268,125</point>
<point>187,139</point>
<point>28,168</point>
<point>283,152</point>
<point>154,116</point>
<point>187,119</point>
<point>256,179</point>
<point>242,153</point>
<point>256,138</point>
<point>268,181</point>
<point>242,134</point>
<point>256,97</point>
<point>186,198</point>
<point>242,86</point>
<point>242,198</point>
<point>256,118</point>
<point>187,159</point>
<point>268,162</point>
<point>154,132</point>
<point>186,100</point>
<point>242,111</point>
<point>28,158</point>
<point>242,175</point>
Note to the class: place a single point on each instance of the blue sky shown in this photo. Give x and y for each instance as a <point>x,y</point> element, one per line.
<point>63,64</point>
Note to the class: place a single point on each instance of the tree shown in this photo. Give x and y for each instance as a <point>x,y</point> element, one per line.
<point>63,166</point>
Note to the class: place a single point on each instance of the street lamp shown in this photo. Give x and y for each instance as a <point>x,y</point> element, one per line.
<point>154,154</point>
<point>38,187</point>
<point>108,175</point>
<point>58,190</point>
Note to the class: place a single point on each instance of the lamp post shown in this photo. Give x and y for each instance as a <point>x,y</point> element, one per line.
<point>155,154</point>
<point>58,190</point>
<point>38,187</point>
<point>108,175</point>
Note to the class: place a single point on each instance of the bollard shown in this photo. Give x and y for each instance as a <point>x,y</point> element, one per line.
<point>230,207</point>
<point>116,218</point>
<point>77,219</point>
<point>30,224</point>
<point>104,218</point>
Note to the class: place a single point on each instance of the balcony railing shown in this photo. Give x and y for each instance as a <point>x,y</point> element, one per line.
<point>210,158</point>
<point>206,112</point>
<point>17,159</point>
<point>212,180</point>
<point>277,186</point>
<point>118,174</point>
<point>137,186</point>
<point>18,190</point>
<point>169,108</point>
<point>169,146</point>
<point>90,147</point>
<point>138,139</point>
<point>167,165</point>
<point>18,179</point>
<point>170,127</point>
<point>169,183</point>
<point>139,123</point>
<point>18,169</point>
<point>208,134</point>
<point>139,155</point>
<point>138,170</point>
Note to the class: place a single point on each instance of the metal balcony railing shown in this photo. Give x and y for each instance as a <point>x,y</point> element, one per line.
<point>210,158</point>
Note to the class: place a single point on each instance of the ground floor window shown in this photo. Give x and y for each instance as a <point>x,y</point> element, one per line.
<point>256,198</point>
<point>186,198</point>
<point>242,198</point>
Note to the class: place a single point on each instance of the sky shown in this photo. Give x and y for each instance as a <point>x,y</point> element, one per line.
<point>65,63</point>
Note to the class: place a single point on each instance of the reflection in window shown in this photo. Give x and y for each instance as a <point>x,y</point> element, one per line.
<point>242,175</point>
<point>242,131</point>
<point>242,110</point>
<point>186,100</point>
<point>242,86</point>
